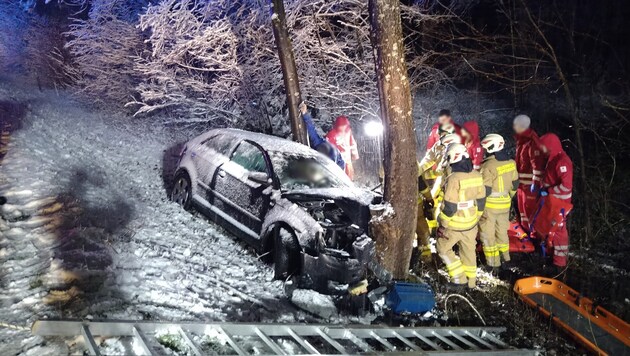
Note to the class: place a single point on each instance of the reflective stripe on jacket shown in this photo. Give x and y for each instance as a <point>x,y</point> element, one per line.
<point>500,179</point>
<point>464,197</point>
<point>530,161</point>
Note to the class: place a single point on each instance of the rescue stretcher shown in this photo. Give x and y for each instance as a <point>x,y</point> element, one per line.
<point>597,329</point>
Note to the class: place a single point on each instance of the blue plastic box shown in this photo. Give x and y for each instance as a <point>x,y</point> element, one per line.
<point>410,298</point>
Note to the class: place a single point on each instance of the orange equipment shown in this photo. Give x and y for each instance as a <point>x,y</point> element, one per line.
<point>596,328</point>
<point>551,216</point>
<point>518,239</point>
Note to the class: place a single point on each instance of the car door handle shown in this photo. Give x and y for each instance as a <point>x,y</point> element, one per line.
<point>221,173</point>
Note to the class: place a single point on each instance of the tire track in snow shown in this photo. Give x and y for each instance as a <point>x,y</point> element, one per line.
<point>87,231</point>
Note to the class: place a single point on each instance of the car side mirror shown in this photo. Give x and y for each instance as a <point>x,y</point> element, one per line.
<point>259,177</point>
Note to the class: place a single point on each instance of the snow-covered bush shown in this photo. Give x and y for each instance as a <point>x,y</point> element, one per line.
<point>13,23</point>
<point>104,48</point>
<point>192,68</point>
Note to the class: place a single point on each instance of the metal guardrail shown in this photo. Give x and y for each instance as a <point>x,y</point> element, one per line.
<point>281,339</point>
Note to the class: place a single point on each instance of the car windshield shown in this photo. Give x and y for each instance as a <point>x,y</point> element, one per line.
<point>298,171</point>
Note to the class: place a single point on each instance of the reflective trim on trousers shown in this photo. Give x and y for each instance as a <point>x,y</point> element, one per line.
<point>503,247</point>
<point>455,269</point>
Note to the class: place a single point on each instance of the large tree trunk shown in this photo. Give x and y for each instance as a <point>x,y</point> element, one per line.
<point>394,229</point>
<point>289,71</point>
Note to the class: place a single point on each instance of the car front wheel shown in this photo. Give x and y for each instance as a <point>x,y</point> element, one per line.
<point>286,254</point>
<point>182,191</point>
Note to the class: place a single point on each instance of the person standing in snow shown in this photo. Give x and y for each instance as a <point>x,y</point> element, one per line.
<point>557,183</point>
<point>470,134</point>
<point>501,181</point>
<point>444,118</point>
<point>530,163</point>
<point>463,205</point>
<point>341,137</point>
<point>317,142</point>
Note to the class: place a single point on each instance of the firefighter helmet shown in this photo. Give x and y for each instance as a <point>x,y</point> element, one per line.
<point>456,152</point>
<point>446,129</point>
<point>493,143</point>
<point>450,138</point>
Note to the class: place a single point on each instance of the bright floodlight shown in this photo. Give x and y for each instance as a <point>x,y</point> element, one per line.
<point>373,128</point>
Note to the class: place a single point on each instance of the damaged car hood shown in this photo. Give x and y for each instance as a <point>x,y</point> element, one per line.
<point>354,202</point>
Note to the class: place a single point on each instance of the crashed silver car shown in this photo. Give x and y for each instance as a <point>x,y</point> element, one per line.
<point>285,199</point>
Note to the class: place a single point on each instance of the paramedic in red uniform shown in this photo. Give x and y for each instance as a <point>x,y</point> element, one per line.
<point>444,117</point>
<point>341,137</point>
<point>557,182</point>
<point>470,134</point>
<point>530,163</point>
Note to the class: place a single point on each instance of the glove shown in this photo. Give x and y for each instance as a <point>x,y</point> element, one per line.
<point>534,188</point>
<point>428,206</point>
<point>543,193</point>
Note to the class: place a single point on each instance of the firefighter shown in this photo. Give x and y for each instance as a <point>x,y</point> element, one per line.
<point>432,163</point>
<point>470,135</point>
<point>530,163</point>
<point>444,118</point>
<point>432,167</point>
<point>341,137</point>
<point>501,181</point>
<point>558,183</point>
<point>463,205</point>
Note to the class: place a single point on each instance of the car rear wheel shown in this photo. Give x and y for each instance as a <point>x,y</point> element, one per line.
<point>182,191</point>
<point>286,253</point>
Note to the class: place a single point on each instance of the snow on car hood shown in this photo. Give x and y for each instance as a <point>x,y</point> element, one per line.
<point>354,202</point>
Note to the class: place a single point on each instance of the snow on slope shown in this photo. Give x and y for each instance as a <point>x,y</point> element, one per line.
<point>88,231</point>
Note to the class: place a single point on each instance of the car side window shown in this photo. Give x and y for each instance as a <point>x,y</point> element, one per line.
<point>250,158</point>
<point>220,143</point>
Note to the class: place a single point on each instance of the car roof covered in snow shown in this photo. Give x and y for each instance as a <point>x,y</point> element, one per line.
<point>267,142</point>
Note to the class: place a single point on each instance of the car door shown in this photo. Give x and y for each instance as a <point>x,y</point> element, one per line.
<point>240,188</point>
<point>209,155</point>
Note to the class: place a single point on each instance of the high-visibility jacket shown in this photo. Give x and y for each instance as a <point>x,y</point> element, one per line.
<point>434,135</point>
<point>530,161</point>
<point>501,180</point>
<point>558,179</point>
<point>464,201</point>
<point>432,164</point>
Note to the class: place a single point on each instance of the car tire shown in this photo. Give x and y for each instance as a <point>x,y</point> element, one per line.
<point>181,193</point>
<point>286,254</point>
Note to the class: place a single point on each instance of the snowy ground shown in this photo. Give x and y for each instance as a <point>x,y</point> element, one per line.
<point>88,231</point>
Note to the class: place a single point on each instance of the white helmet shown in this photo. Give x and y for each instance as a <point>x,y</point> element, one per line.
<point>450,139</point>
<point>493,143</point>
<point>456,152</point>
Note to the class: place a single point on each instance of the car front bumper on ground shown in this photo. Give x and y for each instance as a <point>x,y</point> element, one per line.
<point>333,271</point>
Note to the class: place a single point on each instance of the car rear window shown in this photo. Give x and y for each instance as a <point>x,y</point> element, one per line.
<point>220,143</point>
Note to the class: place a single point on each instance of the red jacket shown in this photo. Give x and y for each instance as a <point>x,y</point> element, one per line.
<point>530,161</point>
<point>558,178</point>
<point>341,137</point>
<point>434,135</point>
<point>474,146</point>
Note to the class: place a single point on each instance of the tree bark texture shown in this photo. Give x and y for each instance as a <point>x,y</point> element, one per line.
<point>394,230</point>
<point>289,70</point>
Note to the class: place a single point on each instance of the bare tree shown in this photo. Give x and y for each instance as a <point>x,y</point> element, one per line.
<point>289,70</point>
<point>394,228</point>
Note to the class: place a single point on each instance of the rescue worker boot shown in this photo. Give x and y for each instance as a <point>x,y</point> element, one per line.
<point>472,283</point>
<point>491,269</point>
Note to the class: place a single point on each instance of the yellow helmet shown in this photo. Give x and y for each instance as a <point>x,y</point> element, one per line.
<point>493,143</point>
<point>455,152</point>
